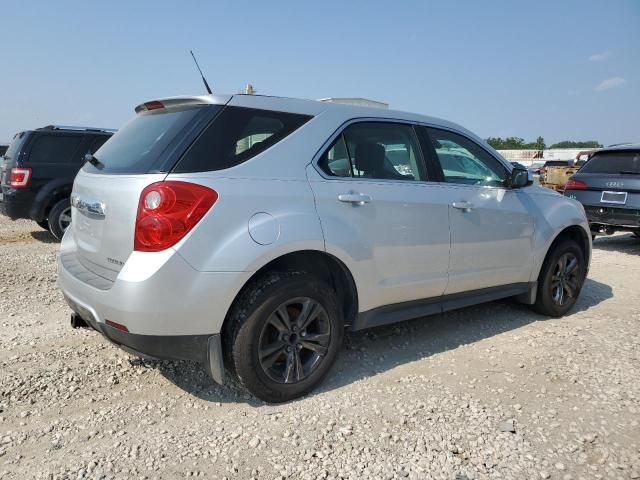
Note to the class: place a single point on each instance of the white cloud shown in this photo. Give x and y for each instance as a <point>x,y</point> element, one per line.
<point>609,83</point>
<point>599,57</point>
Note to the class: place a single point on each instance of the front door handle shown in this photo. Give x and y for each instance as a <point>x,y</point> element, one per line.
<point>354,198</point>
<point>466,206</point>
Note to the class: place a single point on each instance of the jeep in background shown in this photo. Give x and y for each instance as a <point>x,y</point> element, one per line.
<point>38,169</point>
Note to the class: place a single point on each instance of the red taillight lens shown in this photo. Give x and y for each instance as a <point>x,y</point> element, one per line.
<point>167,211</point>
<point>155,105</point>
<point>20,177</point>
<point>575,185</point>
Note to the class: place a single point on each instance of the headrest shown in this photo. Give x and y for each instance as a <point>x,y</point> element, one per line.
<point>369,157</point>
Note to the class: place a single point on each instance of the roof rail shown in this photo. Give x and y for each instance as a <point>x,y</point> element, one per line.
<point>71,127</point>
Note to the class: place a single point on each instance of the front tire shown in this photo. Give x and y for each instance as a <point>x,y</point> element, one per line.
<point>60,218</point>
<point>561,278</point>
<point>284,335</point>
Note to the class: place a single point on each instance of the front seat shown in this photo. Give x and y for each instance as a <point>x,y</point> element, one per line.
<point>370,159</point>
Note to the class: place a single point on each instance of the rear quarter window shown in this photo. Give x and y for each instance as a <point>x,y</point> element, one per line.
<point>236,135</point>
<point>55,149</point>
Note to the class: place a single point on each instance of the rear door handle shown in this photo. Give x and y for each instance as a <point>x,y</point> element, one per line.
<point>466,206</point>
<point>355,198</point>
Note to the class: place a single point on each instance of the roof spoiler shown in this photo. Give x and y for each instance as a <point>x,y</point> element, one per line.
<point>76,128</point>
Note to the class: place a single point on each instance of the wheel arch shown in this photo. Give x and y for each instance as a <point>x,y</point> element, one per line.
<point>324,265</point>
<point>48,196</point>
<point>576,233</point>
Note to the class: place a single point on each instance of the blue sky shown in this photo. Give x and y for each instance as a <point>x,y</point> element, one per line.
<point>563,70</point>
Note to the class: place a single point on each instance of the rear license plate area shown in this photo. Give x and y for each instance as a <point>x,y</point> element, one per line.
<point>617,198</point>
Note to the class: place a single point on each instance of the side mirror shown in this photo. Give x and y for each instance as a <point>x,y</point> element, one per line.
<point>520,177</point>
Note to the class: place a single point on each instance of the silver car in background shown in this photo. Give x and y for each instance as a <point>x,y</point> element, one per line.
<point>247,232</point>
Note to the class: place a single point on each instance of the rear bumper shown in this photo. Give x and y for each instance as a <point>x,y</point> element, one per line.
<point>171,311</point>
<point>13,206</point>
<point>154,293</point>
<point>613,216</point>
<point>204,349</point>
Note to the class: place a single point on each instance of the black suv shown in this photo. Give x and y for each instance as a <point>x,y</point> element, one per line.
<point>608,186</point>
<point>37,172</point>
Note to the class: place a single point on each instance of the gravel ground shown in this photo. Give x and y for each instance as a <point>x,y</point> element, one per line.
<point>493,391</point>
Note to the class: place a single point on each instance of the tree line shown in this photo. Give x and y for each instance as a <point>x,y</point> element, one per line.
<point>517,143</point>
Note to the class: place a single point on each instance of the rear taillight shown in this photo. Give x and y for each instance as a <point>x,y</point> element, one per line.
<point>20,177</point>
<point>154,105</point>
<point>573,184</point>
<point>167,211</point>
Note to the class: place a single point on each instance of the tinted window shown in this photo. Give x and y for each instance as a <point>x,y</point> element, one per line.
<point>378,150</point>
<point>335,161</point>
<point>137,146</point>
<point>3,149</point>
<point>613,163</point>
<point>55,149</point>
<point>236,135</point>
<point>463,161</point>
<point>16,144</point>
<point>97,143</point>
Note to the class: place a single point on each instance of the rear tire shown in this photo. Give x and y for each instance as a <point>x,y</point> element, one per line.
<point>561,278</point>
<point>60,218</point>
<point>284,335</point>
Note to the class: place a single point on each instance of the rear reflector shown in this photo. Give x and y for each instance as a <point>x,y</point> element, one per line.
<point>167,211</point>
<point>20,177</point>
<point>117,326</point>
<point>575,185</point>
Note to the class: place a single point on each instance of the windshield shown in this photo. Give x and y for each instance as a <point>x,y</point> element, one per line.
<point>625,162</point>
<point>137,147</point>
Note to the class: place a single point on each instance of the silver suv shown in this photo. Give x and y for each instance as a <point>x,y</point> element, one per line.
<point>247,232</point>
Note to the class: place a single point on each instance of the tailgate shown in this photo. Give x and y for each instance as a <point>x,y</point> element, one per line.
<point>103,216</point>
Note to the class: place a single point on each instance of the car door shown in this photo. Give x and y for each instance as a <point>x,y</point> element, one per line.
<point>381,215</point>
<point>491,228</point>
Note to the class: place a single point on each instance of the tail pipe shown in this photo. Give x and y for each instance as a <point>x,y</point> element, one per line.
<point>78,322</point>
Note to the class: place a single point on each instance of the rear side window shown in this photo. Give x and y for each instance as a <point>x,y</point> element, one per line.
<point>236,135</point>
<point>55,149</point>
<point>376,150</point>
<point>613,163</point>
<point>138,145</point>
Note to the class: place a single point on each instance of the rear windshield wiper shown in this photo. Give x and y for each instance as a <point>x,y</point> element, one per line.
<point>629,172</point>
<point>93,161</point>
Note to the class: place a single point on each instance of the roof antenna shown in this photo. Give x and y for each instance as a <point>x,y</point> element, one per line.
<point>206,85</point>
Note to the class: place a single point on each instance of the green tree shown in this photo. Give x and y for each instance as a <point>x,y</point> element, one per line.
<point>579,144</point>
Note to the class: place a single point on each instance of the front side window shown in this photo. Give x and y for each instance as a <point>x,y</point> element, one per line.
<point>55,149</point>
<point>465,162</point>
<point>376,150</point>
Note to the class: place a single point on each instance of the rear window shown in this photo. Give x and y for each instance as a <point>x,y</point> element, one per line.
<point>236,135</point>
<point>613,163</point>
<point>138,146</point>
<point>3,148</point>
<point>55,149</point>
<point>15,146</point>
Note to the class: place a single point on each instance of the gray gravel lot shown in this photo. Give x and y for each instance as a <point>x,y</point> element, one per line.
<point>493,391</point>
